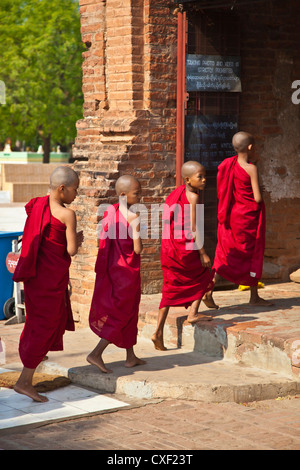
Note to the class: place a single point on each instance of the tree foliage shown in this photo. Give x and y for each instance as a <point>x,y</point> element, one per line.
<point>40,64</point>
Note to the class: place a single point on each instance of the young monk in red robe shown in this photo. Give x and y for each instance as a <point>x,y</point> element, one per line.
<point>241,216</point>
<point>115,303</point>
<point>49,240</point>
<point>185,264</point>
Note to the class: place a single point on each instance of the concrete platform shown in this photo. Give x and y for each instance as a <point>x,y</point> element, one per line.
<point>245,354</point>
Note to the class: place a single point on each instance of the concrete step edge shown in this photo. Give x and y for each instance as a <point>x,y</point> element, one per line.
<point>264,385</point>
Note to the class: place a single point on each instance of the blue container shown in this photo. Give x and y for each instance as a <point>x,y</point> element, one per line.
<point>6,282</point>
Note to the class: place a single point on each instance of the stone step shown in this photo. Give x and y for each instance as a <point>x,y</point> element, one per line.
<point>247,335</point>
<point>176,373</point>
<point>242,343</point>
<point>245,354</point>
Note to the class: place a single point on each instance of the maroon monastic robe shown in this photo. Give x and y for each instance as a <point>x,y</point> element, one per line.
<point>44,269</point>
<point>115,303</point>
<point>241,228</point>
<point>184,278</point>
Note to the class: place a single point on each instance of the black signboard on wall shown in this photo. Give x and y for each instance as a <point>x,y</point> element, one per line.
<point>213,73</point>
<point>208,138</point>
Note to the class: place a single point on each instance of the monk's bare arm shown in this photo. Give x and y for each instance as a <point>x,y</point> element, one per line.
<point>134,221</point>
<point>198,238</point>
<point>74,239</point>
<point>137,242</point>
<point>193,199</point>
<point>255,183</point>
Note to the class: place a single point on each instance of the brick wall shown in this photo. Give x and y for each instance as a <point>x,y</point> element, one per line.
<point>128,125</point>
<point>129,122</point>
<point>270,37</point>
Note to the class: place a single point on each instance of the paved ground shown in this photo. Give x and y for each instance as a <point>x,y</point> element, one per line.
<point>176,423</point>
<point>179,425</point>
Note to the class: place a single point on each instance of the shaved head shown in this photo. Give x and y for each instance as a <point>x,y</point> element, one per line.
<point>63,175</point>
<point>188,169</point>
<point>125,184</point>
<point>241,141</point>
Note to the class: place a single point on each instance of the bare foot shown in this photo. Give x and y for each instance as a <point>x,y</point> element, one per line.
<point>30,391</point>
<point>134,361</point>
<point>258,301</point>
<point>97,361</point>
<point>209,301</point>
<point>194,318</point>
<point>158,343</point>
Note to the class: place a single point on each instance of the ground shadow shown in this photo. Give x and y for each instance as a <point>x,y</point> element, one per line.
<point>154,363</point>
<point>278,304</point>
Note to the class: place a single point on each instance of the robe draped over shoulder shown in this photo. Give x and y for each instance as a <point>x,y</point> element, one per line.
<point>241,227</point>
<point>44,268</point>
<point>115,303</point>
<point>184,278</point>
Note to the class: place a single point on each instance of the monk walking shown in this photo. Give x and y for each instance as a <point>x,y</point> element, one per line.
<point>241,217</point>
<point>49,241</point>
<point>185,264</point>
<point>115,303</point>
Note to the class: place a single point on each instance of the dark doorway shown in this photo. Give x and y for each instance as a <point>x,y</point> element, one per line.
<point>211,117</point>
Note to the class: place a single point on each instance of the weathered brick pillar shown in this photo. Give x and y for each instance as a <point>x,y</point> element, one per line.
<point>128,125</point>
